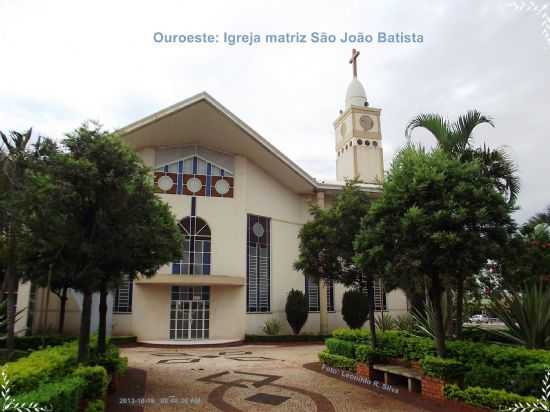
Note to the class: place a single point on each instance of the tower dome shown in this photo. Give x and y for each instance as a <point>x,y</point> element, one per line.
<point>356,96</point>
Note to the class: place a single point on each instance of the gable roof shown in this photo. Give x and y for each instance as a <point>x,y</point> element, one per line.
<point>202,120</point>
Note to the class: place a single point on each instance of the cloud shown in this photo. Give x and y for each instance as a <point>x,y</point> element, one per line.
<point>66,61</point>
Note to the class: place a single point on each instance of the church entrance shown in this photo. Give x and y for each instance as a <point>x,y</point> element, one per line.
<point>190,313</point>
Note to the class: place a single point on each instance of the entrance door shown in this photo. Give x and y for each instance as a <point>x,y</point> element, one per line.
<point>189,318</point>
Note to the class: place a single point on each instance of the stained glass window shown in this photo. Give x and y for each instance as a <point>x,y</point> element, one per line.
<point>196,253</point>
<point>194,176</point>
<point>123,297</point>
<point>313,295</point>
<point>258,256</point>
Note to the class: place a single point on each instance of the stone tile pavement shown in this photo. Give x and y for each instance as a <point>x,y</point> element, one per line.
<point>244,378</point>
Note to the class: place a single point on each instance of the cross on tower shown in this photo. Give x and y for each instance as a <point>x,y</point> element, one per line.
<point>353,60</point>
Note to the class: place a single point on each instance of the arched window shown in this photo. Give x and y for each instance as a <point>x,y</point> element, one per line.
<point>196,248</point>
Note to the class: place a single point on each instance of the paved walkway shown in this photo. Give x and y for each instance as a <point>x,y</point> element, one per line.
<point>244,378</point>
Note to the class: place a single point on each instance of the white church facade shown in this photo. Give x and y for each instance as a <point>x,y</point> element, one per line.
<point>240,204</point>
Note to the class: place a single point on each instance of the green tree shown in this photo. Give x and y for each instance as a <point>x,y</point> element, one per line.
<point>437,218</point>
<point>355,308</point>
<point>104,220</point>
<point>455,138</point>
<point>326,249</point>
<point>16,157</point>
<point>296,309</point>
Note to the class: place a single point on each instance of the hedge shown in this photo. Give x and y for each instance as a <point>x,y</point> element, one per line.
<point>285,338</point>
<point>27,373</point>
<point>511,368</point>
<point>95,406</point>
<point>37,342</point>
<point>367,354</point>
<point>337,361</point>
<point>484,397</point>
<point>340,347</point>
<point>60,396</point>
<point>449,370</point>
<point>96,381</point>
<point>118,340</point>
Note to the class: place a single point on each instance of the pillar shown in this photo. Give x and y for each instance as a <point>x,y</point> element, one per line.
<point>323,301</point>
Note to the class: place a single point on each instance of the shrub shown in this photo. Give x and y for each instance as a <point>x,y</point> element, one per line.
<point>355,308</point>
<point>95,406</point>
<point>117,340</point>
<point>405,323</point>
<point>110,360</point>
<point>370,355</point>
<point>96,380</point>
<point>340,347</point>
<point>385,322</point>
<point>60,396</point>
<point>485,398</point>
<point>27,373</point>
<point>296,310</point>
<point>526,316</point>
<point>337,361</point>
<point>272,327</point>
<point>449,370</point>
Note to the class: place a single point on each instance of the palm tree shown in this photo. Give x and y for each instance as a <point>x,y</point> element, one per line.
<point>13,162</point>
<point>455,138</point>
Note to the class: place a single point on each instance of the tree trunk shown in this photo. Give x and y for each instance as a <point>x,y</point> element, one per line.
<point>62,310</point>
<point>370,301</point>
<point>436,292</point>
<point>85,322</point>
<point>101,336</point>
<point>459,306</point>
<point>11,291</point>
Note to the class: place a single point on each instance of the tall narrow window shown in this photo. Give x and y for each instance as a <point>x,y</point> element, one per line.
<point>123,297</point>
<point>196,256</point>
<point>258,256</point>
<point>313,295</point>
<point>379,295</point>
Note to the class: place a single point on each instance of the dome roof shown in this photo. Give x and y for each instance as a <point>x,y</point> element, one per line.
<point>355,96</point>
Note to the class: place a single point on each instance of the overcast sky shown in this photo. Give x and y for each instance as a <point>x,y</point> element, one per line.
<point>64,62</point>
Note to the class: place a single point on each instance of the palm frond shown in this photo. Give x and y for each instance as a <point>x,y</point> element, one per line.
<point>463,128</point>
<point>437,125</point>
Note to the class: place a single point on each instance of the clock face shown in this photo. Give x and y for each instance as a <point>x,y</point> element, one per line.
<point>366,122</point>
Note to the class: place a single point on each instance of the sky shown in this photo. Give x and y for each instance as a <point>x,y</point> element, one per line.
<point>63,62</point>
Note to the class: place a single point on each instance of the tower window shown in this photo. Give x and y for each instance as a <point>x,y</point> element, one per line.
<point>313,295</point>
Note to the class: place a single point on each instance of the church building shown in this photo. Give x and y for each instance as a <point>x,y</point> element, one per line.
<point>240,204</point>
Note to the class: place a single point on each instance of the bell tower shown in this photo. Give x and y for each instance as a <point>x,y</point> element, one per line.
<point>358,135</point>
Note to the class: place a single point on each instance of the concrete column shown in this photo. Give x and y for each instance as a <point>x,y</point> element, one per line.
<point>323,302</point>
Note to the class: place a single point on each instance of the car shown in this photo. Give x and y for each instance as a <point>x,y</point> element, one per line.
<point>479,319</point>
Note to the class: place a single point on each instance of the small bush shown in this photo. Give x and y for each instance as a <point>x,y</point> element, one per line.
<point>60,396</point>
<point>370,355</point>
<point>117,340</point>
<point>272,327</point>
<point>385,322</point>
<point>110,360</point>
<point>37,342</point>
<point>96,381</point>
<point>296,310</point>
<point>485,398</point>
<point>95,406</point>
<point>449,370</point>
<point>337,361</point>
<point>340,347</point>
<point>355,308</point>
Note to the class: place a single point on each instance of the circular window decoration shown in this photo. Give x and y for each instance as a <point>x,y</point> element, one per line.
<point>194,185</point>
<point>375,144</point>
<point>222,187</point>
<point>258,229</point>
<point>367,143</point>
<point>359,142</point>
<point>165,183</point>
<point>366,122</point>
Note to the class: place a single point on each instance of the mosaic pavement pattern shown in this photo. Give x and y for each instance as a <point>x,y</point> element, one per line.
<point>244,378</point>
